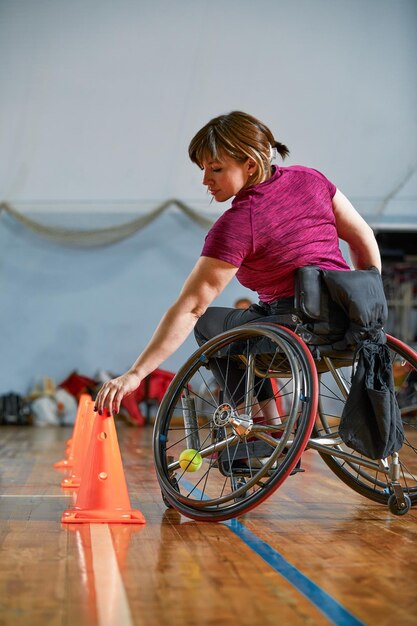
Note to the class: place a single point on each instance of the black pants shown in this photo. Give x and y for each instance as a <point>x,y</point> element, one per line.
<point>219,319</point>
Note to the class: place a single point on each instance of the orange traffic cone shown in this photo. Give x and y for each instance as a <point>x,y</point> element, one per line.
<point>80,453</point>
<point>71,443</point>
<point>103,495</point>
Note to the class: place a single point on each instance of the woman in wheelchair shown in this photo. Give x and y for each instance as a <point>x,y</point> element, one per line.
<point>280,219</point>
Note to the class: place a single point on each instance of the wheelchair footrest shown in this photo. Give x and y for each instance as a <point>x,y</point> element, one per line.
<point>245,457</point>
<point>245,451</point>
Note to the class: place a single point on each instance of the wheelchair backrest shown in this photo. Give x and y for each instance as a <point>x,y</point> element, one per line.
<point>340,308</point>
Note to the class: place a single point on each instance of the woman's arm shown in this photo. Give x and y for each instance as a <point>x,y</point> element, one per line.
<point>359,236</point>
<point>206,281</point>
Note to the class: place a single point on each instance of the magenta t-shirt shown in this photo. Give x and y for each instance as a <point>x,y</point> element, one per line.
<point>274,228</point>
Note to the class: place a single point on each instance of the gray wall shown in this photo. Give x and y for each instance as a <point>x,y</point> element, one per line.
<point>98,102</point>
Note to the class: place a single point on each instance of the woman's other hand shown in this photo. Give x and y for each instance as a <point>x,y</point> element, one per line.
<point>112,392</point>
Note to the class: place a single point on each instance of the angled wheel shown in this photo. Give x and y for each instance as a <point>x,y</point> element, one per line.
<point>369,478</point>
<point>240,460</point>
<point>397,509</point>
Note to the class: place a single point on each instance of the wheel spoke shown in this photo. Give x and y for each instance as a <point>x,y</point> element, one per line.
<point>235,468</point>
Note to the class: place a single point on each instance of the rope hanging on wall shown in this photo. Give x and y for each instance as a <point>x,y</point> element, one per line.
<point>102,236</point>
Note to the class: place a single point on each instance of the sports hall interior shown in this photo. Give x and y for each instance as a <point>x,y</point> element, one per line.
<point>102,217</point>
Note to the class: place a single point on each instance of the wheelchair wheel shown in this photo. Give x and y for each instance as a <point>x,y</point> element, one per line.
<point>363,475</point>
<point>239,459</point>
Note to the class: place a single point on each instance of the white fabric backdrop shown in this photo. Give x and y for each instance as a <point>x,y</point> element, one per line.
<point>99,99</point>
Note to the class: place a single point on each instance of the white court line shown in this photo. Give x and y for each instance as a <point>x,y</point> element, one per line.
<point>33,495</point>
<point>112,604</point>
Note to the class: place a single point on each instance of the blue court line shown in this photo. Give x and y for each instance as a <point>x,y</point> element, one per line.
<point>330,607</point>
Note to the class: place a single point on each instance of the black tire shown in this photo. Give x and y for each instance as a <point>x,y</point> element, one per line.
<point>216,491</point>
<point>395,508</point>
<point>372,483</point>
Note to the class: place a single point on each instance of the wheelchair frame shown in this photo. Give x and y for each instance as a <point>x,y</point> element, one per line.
<point>243,460</point>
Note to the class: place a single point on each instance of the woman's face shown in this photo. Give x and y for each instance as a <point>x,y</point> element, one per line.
<point>225,177</point>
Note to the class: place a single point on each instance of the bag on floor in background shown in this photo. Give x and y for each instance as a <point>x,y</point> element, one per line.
<point>45,412</point>
<point>14,410</point>
<point>66,406</point>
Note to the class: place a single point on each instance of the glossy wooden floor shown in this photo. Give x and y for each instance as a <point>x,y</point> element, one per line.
<point>173,571</point>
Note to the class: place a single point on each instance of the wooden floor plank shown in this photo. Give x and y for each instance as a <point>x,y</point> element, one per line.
<point>177,571</point>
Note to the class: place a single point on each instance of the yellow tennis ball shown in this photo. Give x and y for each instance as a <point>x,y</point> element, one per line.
<point>190,460</point>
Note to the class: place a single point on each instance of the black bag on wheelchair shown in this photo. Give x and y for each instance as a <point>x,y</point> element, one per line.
<point>339,309</point>
<point>347,310</point>
<point>371,421</point>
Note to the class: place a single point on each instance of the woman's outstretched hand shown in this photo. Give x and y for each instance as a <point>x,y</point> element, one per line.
<point>112,392</point>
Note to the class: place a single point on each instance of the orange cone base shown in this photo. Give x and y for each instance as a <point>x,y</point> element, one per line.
<point>63,463</point>
<point>71,483</point>
<point>103,516</point>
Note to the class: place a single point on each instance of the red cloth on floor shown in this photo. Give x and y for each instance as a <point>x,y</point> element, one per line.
<point>76,384</point>
<point>152,388</point>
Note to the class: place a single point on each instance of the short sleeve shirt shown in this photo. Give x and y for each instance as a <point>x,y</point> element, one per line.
<point>274,228</point>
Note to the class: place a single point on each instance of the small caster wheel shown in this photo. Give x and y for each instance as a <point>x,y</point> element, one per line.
<point>393,505</point>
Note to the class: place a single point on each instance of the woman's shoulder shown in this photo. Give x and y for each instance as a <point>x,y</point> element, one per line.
<point>310,175</point>
<point>302,169</point>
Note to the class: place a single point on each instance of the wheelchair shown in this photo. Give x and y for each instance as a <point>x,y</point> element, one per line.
<point>242,460</point>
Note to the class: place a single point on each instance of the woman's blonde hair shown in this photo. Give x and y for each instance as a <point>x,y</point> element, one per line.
<point>240,136</point>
